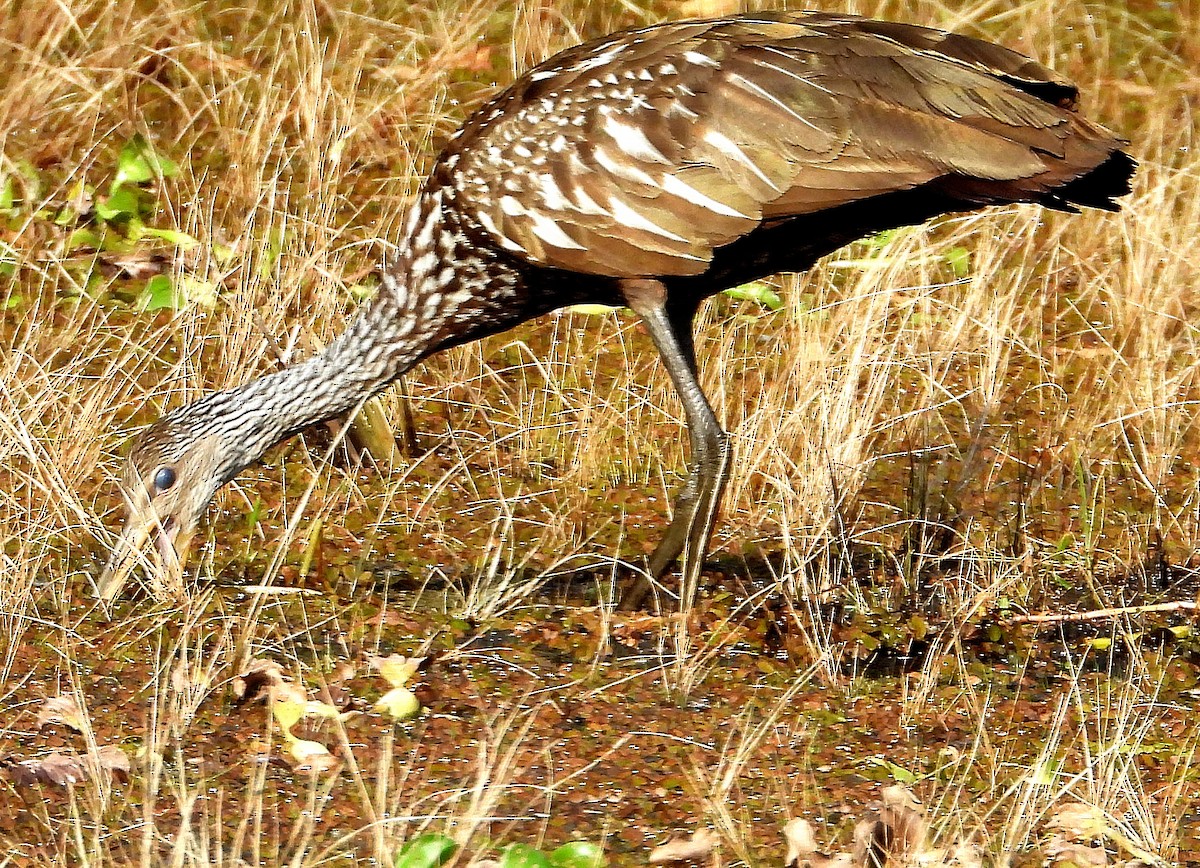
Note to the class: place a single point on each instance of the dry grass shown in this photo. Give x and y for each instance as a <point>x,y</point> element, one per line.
<point>1040,409</point>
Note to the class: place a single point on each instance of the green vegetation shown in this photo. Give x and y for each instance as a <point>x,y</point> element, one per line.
<point>430,851</point>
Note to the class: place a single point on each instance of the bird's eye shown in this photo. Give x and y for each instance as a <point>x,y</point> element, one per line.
<point>164,478</point>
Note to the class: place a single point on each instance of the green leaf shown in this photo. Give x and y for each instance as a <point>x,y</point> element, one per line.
<point>112,242</point>
<point>757,291</point>
<point>83,272</point>
<point>196,291</point>
<point>8,195</point>
<point>84,236</point>
<point>134,229</point>
<point>881,239</point>
<point>311,547</point>
<point>33,180</point>
<point>363,291</point>
<point>524,856</point>
<point>255,513</point>
<point>899,773</point>
<point>591,309</point>
<point>959,260</point>
<point>160,293</point>
<point>426,851</point>
<point>14,301</point>
<point>271,252</point>
<point>223,253</point>
<point>578,854</point>
<point>399,703</point>
<point>122,204</point>
<point>918,627</point>
<point>1044,773</point>
<point>163,292</point>
<point>172,236</point>
<point>138,163</point>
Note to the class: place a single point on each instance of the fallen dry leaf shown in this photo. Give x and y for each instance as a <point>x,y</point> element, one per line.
<point>65,769</point>
<point>801,841</point>
<point>113,760</point>
<point>1065,853</point>
<point>342,672</point>
<point>396,669</point>
<point>54,768</point>
<point>895,835</point>
<point>260,677</point>
<point>397,72</point>
<point>61,709</point>
<point>960,855</point>
<point>802,850</point>
<point>1077,825</point>
<point>692,849</point>
<point>1078,820</point>
<point>138,265</point>
<point>189,675</point>
<point>473,58</point>
<point>310,756</point>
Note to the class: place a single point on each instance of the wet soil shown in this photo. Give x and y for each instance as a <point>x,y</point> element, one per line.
<point>582,722</point>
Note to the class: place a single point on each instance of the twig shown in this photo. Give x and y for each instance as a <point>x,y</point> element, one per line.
<point>408,428</point>
<point>281,356</point>
<point>1098,614</point>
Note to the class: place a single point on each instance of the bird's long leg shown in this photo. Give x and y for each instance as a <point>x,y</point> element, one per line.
<point>670,328</point>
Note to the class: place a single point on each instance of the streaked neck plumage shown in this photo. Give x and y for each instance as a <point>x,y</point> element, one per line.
<point>420,299</point>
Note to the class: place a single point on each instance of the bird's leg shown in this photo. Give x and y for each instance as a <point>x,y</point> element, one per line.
<point>670,327</point>
<point>706,436</point>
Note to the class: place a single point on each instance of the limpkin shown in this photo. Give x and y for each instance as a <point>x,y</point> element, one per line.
<point>653,168</point>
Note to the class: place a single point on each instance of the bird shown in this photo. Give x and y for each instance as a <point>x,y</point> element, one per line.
<point>651,169</point>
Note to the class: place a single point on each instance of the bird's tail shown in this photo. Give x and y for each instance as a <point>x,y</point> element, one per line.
<point>1096,188</point>
<point>1089,171</point>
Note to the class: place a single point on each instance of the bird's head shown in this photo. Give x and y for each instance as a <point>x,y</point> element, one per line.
<point>170,474</point>
<point>175,466</point>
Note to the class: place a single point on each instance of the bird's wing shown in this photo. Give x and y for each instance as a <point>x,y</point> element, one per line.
<point>641,153</point>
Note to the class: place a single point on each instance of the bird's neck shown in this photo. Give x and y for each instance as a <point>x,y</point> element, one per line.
<point>445,284</point>
<point>426,300</point>
<point>409,315</point>
<point>275,406</point>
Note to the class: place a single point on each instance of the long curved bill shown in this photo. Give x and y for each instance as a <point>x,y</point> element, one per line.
<point>146,543</point>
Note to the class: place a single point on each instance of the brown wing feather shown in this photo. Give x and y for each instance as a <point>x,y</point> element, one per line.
<point>642,153</point>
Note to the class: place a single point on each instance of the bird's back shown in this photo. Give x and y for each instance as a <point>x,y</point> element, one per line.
<point>646,152</point>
